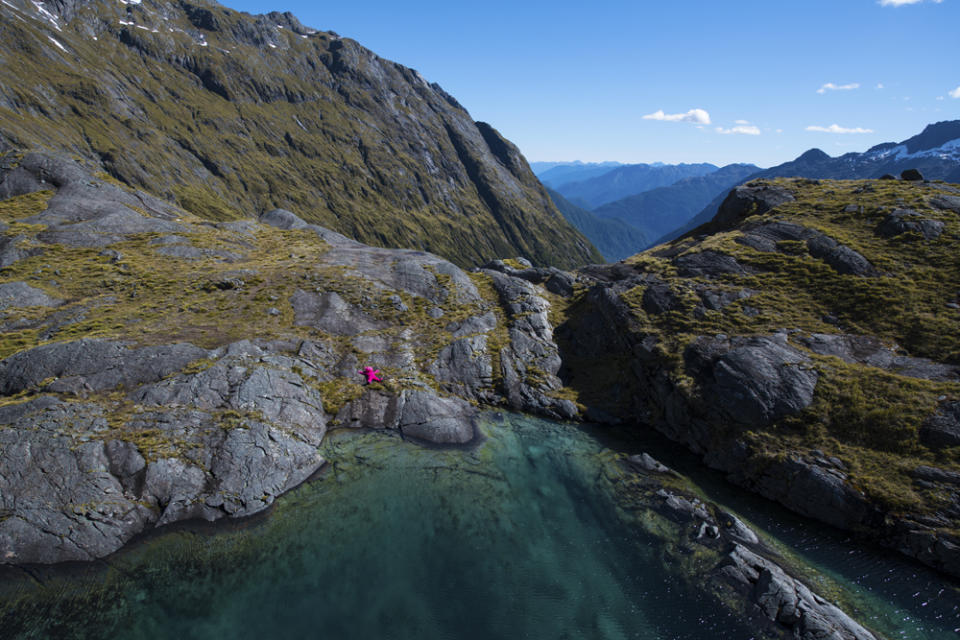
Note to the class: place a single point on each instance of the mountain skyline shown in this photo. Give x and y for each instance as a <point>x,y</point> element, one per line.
<point>705,82</point>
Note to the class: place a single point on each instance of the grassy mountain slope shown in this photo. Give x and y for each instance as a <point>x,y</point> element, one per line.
<point>230,115</point>
<point>615,239</point>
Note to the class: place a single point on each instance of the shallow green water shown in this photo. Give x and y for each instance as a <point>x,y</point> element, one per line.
<point>515,539</point>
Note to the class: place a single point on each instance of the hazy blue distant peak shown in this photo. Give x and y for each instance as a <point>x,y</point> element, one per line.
<point>544,166</point>
<point>619,182</point>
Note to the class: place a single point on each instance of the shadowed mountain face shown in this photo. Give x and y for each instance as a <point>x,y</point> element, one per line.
<point>614,238</point>
<point>230,115</point>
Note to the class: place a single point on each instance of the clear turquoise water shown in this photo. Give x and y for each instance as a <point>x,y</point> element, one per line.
<point>515,539</point>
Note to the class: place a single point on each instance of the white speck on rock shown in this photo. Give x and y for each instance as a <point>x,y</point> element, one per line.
<point>57,43</point>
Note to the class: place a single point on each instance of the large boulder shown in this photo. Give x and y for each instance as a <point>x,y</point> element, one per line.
<point>748,200</point>
<point>842,258</point>
<point>900,221</point>
<point>752,381</point>
<point>428,416</point>
<point>942,429</point>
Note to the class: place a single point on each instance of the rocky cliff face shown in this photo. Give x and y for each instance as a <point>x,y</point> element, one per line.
<point>232,115</point>
<point>807,346</point>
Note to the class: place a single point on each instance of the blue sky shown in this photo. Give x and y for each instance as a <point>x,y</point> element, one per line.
<point>734,81</point>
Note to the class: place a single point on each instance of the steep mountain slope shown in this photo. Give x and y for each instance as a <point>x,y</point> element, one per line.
<point>935,152</point>
<point>230,115</point>
<point>616,240</point>
<point>573,172</point>
<point>629,180</point>
<point>661,210</point>
<point>807,343</point>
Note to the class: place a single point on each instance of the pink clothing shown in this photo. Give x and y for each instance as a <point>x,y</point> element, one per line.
<point>371,374</point>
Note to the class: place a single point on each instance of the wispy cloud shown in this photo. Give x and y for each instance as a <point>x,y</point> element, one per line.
<point>838,87</point>
<point>741,121</point>
<point>696,116</point>
<point>900,3</point>
<point>955,93</point>
<point>835,128</point>
<point>879,85</point>
<point>746,129</point>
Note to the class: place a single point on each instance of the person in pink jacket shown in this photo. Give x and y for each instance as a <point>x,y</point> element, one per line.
<point>371,374</point>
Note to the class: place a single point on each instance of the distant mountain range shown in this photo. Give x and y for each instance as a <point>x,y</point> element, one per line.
<point>628,180</point>
<point>622,209</point>
<point>554,174</point>
<point>935,152</point>
<point>661,210</point>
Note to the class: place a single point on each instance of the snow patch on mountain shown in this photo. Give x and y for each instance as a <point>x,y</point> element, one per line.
<point>947,151</point>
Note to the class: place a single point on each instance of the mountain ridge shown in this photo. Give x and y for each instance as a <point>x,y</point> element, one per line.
<point>940,162</point>
<point>230,115</point>
<point>630,179</point>
<point>660,210</point>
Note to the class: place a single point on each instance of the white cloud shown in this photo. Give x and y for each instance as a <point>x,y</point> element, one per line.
<point>697,116</point>
<point>955,93</point>
<point>835,128</point>
<point>879,85</point>
<point>941,97</point>
<point>838,87</point>
<point>742,121</point>
<point>900,3</point>
<point>749,130</point>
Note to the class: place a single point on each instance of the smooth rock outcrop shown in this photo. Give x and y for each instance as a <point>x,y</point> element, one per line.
<point>91,365</point>
<point>752,380</point>
<point>870,351</point>
<point>750,199</point>
<point>20,294</point>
